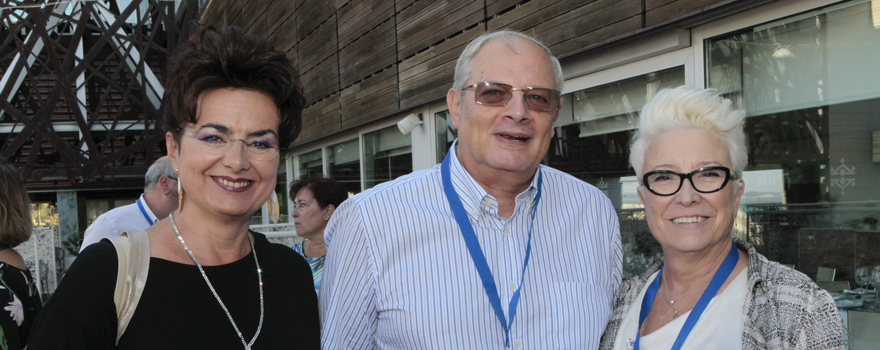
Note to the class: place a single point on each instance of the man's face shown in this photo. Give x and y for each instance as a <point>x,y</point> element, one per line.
<point>511,139</point>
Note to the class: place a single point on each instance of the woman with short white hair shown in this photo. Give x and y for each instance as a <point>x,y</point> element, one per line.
<point>710,291</point>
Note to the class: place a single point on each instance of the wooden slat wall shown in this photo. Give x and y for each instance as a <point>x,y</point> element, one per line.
<point>364,60</point>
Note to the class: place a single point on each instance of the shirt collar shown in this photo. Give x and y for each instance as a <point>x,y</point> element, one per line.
<point>152,216</point>
<point>472,195</point>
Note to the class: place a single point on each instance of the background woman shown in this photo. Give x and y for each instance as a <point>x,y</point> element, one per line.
<point>234,103</point>
<point>709,291</point>
<point>314,200</point>
<point>18,293</point>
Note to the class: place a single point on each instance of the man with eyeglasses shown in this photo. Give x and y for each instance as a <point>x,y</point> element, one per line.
<point>158,200</point>
<point>488,250</point>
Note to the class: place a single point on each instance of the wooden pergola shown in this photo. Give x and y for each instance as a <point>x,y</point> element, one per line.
<point>80,89</point>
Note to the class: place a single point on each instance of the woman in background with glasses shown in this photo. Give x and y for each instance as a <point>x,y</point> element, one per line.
<point>709,291</point>
<point>234,104</point>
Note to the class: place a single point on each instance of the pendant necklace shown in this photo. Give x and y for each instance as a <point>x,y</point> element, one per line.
<point>247,346</point>
<point>671,302</point>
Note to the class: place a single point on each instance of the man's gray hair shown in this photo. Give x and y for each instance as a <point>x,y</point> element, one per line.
<point>509,38</point>
<point>159,168</point>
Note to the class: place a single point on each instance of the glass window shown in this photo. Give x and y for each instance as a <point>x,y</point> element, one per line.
<point>809,84</point>
<point>282,188</point>
<point>344,165</point>
<point>445,134</point>
<point>45,213</point>
<point>95,208</point>
<point>310,163</point>
<point>594,128</point>
<point>387,155</point>
<point>592,143</point>
<point>123,202</point>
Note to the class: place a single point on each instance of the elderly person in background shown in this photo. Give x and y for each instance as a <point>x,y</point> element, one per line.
<point>159,199</point>
<point>18,293</point>
<point>710,291</point>
<point>234,103</point>
<point>314,201</point>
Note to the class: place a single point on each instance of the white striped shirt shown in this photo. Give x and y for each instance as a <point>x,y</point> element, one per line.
<point>399,276</point>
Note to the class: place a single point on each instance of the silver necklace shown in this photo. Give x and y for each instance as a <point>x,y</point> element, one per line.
<point>247,346</point>
<point>671,302</point>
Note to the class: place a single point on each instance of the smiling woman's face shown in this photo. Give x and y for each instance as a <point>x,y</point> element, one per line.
<point>689,221</point>
<point>231,183</point>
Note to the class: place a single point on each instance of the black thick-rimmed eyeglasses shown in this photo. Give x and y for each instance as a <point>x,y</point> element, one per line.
<point>704,180</point>
<point>489,93</point>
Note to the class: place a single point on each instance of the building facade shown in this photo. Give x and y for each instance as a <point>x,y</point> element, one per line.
<point>802,69</point>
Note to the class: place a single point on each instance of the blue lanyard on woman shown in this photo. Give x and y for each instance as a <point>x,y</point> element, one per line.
<point>473,245</point>
<point>721,275</point>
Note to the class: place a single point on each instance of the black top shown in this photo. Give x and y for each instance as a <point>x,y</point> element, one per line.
<point>177,309</point>
<point>20,302</point>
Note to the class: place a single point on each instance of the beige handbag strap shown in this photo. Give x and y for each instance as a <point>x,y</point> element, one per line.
<point>133,253</point>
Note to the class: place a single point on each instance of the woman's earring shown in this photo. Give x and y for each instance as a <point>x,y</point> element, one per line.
<point>179,191</point>
<point>273,208</point>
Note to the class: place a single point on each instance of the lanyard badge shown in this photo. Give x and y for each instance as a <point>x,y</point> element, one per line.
<point>479,259</point>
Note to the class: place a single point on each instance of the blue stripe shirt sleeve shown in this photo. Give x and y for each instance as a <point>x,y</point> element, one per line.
<point>347,297</point>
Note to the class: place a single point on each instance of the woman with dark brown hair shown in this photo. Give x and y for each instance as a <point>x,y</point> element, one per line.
<point>233,107</point>
<point>314,201</point>
<point>18,293</point>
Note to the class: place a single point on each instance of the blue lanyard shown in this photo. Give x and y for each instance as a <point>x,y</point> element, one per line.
<point>144,212</point>
<point>473,246</point>
<point>718,279</point>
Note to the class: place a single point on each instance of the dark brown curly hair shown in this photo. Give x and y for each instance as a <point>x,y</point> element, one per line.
<point>326,191</point>
<point>227,57</point>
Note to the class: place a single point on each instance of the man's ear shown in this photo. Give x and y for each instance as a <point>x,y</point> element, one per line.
<point>453,101</point>
<point>168,186</point>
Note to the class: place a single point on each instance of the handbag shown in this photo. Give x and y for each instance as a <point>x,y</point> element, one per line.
<point>133,254</point>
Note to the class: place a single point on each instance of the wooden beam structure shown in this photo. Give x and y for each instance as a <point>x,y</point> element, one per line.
<point>80,95</point>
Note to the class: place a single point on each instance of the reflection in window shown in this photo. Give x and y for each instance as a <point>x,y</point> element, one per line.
<point>810,87</point>
<point>95,208</point>
<point>387,155</point>
<point>344,165</point>
<point>310,163</point>
<point>594,128</point>
<point>445,134</point>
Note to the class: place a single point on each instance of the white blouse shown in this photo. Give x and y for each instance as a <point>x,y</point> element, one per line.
<point>720,326</point>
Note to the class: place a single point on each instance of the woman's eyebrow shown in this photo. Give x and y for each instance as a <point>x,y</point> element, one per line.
<point>263,133</point>
<point>221,128</point>
<point>225,130</point>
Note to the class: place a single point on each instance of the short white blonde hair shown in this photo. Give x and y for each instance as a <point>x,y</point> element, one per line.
<point>688,107</point>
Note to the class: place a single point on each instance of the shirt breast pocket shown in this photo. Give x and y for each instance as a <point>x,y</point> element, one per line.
<point>577,312</point>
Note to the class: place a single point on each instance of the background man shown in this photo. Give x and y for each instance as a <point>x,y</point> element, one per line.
<point>446,257</point>
<point>159,200</point>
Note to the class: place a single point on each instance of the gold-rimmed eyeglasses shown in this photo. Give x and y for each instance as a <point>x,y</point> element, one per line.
<point>489,93</point>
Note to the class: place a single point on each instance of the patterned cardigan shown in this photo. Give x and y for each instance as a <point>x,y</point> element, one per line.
<point>784,309</point>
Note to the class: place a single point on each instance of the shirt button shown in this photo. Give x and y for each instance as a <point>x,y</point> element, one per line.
<point>516,344</point>
<point>474,212</point>
<point>512,286</point>
<point>507,230</point>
